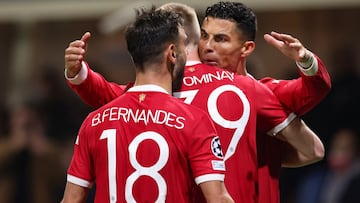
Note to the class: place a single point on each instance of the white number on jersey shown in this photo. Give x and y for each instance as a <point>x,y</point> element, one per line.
<point>239,125</point>
<point>151,171</point>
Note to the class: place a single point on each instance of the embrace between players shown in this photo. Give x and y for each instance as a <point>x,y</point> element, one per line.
<point>228,145</point>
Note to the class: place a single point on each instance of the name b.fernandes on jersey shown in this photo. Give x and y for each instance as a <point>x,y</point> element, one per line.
<point>146,116</point>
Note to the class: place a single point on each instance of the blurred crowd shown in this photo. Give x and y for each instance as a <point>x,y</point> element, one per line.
<point>336,179</point>
<point>36,142</point>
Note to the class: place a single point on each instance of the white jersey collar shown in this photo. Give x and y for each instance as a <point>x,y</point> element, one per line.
<point>191,63</point>
<point>147,88</point>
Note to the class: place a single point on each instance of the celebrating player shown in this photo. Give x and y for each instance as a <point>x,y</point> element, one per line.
<point>217,92</point>
<point>227,39</point>
<point>147,146</point>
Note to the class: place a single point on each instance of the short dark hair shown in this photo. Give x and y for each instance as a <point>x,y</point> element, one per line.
<point>151,32</point>
<point>243,16</point>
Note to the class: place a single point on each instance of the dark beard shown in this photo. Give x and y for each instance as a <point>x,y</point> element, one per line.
<point>177,82</point>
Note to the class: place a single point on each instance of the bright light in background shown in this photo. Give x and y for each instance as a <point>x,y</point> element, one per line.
<point>21,10</point>
<point>114,21</point>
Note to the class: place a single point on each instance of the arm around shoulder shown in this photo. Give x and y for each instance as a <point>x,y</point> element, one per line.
<point>306,147</point>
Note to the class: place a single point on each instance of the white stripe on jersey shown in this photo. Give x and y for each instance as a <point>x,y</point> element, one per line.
<point>79,181</point>
<point>209,177</point>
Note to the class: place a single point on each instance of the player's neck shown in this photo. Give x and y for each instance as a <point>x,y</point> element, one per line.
<point>192,53</point>
<point>241,68</point>
<point>161,78</point>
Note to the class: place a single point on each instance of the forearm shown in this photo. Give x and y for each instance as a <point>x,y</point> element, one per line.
<point>93,88</point>
<point>304,93</point>
<point>312,86</point>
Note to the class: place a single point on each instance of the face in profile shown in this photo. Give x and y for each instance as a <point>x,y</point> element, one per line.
<point>220,43</point>
<point>180,61</point>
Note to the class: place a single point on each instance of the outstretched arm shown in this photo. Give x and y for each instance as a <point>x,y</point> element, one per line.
<point>90,86</point>
<point>300,96</point>
<point>304,93</point>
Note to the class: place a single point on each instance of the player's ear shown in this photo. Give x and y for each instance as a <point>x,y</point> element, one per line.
<point>172,53</point>
<point>247,48</point>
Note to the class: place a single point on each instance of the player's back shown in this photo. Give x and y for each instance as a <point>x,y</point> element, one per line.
<point>227,97</point>
<point>150,146</point>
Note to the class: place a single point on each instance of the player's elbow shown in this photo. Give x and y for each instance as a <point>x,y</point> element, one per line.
<point>317,154</point>
<point>326,87</point>
<point>315,151</point>
<point>328,84</point>
<point>311,156</point>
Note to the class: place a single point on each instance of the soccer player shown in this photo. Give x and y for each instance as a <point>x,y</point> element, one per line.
<point>232,123</point>
<point>227,39</point>
<point>145,145</point>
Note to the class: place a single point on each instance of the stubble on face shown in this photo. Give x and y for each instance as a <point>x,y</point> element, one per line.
<point>179,66</point>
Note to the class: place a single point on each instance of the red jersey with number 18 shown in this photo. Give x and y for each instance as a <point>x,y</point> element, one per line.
<point>146,146</point>
<point>239,107</point>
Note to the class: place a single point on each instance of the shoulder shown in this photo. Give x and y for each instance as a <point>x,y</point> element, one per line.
<point>245,83</point>
<point>188,108</point>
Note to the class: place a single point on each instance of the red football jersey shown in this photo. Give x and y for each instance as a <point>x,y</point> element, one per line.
<point>226,97</point>
<point>239,106</point>
<point>146,146</point>
<point>300,96</point>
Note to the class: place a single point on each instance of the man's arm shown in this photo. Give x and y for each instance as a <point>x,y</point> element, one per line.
<point>90,86</point>
<point>215,192</point>
<point>302,94</point>
<point>270,118</point>
<point>75,193</point>
<point>305,146</point>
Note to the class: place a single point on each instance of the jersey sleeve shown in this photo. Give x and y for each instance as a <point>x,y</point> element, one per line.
<point>94,89</point>
<point>205,153</point>
<point>80,170</point>
<point>304,93</point>
<point>271,115</point>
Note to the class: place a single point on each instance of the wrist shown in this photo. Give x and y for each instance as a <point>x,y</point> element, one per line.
<point>307,60</point>
<point>70,74</point>
<point>80,76</point>
<point>310,66</point>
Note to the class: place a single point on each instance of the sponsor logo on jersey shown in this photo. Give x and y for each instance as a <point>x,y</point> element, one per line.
<point>142,97</point>
<point>218,165</point>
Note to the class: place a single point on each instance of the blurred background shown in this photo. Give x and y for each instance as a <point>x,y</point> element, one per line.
<point>40,115</point>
